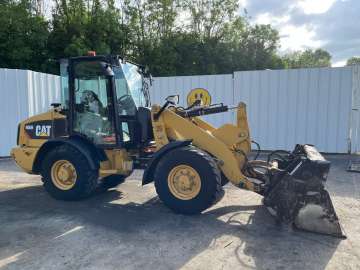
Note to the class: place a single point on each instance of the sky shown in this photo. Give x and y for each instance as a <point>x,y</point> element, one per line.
<point>330,24</point>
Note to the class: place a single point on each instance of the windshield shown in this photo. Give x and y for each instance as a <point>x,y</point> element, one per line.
<point>135,83</point>
<point>129,88</point>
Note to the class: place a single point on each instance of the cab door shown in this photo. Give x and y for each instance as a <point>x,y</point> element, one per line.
<point>93,113</point>
<point>126,109</point>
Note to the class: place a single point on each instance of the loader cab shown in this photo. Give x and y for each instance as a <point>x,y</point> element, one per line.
<point>106,101</point>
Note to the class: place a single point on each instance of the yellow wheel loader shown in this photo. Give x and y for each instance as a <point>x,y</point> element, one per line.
<point>104,129</point>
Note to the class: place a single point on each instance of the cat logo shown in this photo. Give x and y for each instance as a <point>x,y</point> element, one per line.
<point>42,130</point>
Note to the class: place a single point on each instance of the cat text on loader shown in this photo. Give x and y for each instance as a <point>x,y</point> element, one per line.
<point>103,129</point>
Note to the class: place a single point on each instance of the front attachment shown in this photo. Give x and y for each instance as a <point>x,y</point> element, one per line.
<point>296,194</point>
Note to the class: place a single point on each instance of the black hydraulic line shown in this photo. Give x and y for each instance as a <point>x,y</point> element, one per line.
<point>157,115</point>
<point>258,149</point>
<point>203,111</point>
<point>277,153</point>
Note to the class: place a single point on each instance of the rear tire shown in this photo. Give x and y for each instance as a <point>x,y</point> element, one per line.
<point>86,178</point>
<point>191,163</point>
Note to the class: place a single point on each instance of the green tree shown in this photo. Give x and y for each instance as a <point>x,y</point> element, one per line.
<point>210,18</point>
<point>172,37</point>
<point>23,36</point>
<point>67,37</point>
<point>353,61</point>
<point>216,40</point>
<point>79,26</point>
<point>105,31</point>
<point>308,59</point>
<point>151,24</point>
<point>257,48</point>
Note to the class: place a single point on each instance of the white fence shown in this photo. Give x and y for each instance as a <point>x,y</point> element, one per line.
<point>298,106</point>
<point>285,107</point>
<point>23,94</point>
<point>220,88</point>
<point>355,116</point>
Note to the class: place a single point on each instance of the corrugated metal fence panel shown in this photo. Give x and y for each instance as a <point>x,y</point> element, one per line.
<point>23,94</point>
<point>220,88</point>
<point>13,106</point>
<point>355,128</point>
<point>286,107</point>
<point>43,89</point>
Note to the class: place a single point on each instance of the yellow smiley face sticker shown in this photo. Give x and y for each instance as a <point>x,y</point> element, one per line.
<point>199,94</point>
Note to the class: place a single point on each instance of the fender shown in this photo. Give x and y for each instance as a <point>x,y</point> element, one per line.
<point>92,154</point>
<point>148,175</point>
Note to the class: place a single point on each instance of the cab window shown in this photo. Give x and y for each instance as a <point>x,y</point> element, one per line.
<point>125,102</point>
<point>92,116</point>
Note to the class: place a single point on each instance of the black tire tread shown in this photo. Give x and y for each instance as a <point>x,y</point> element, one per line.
<point>88,187</point>
<point>219,192</point>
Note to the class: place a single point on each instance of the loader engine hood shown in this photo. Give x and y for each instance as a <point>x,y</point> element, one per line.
<point>42,127</point>
<point>33,133</point>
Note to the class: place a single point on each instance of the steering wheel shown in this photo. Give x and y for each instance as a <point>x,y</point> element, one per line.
<point>123,98</point>
<point>126,103</point>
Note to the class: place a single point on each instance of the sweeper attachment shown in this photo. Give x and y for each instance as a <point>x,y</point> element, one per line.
<point>103,129</point>
<point>294,190</point>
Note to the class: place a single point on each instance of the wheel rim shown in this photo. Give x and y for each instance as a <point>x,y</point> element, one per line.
<point>184,182</point>
<point>63,174</point>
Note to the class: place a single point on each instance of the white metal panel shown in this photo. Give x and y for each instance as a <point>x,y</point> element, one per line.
<point>13,106</point>
<point>23,94</point>
<point>286,107</point>
<point>43,89</point>
<point>220,88</point>
<point>355,117</point>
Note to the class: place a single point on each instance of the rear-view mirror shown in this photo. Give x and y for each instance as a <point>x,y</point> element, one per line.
<point>174,99</point>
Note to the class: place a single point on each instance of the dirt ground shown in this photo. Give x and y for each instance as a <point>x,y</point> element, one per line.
<point>129,228</point>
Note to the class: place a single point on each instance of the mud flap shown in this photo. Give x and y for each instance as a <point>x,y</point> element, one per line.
<point>296,193</point>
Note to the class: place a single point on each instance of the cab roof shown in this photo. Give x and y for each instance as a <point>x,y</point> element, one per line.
<point>109,58</point>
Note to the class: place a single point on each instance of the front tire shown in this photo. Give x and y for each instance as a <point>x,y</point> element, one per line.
<point>188,180</point>
<point>67,174</point>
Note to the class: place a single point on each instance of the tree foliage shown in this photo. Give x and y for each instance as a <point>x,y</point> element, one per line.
<point>79,26</point>
<point>353,61</point>
<point>307,59</point>
<point>172,37</point>
<point>23,36</point>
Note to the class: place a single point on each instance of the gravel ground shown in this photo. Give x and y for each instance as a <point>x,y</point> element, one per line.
<point>129,228</point>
